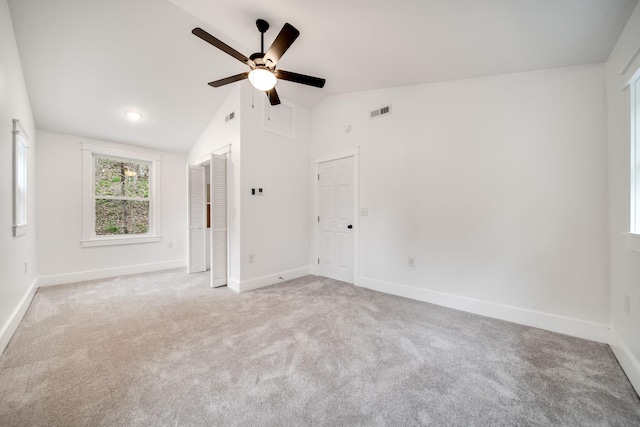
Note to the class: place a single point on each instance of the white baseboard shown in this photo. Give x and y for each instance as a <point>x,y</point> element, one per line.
<point>551,322</point>
<point>630,365</point>
<point>271,279</point>
<point>234,284</point>
<point>81,276</point>
<point>9,328</point>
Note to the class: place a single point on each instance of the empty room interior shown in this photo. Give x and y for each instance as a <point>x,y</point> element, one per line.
<point>432,218</point>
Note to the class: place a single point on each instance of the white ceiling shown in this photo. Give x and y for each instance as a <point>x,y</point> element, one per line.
<point>87,61</point>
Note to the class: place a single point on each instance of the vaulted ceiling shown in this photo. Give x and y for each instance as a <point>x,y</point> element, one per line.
<point>86,62</point>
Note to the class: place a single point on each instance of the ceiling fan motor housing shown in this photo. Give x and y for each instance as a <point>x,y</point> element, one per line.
<point>258,59</point>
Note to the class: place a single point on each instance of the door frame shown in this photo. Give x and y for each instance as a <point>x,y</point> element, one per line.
<point>315,251</point>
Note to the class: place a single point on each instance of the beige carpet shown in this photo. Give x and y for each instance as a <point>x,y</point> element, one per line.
<point>164,349</point>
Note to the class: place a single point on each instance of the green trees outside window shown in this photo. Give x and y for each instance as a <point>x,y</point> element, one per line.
<point>121,190</point>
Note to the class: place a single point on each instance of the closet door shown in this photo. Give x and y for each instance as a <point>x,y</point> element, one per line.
<point>335,219</point>
<point>197,213</point>
<point>218,220</point>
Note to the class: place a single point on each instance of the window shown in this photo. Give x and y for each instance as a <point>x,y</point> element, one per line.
<point>121,200</point>
<point>635,153</point>
<point>121,191</point>
<point>20,146</point>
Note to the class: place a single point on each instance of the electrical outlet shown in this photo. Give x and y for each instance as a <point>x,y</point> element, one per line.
<point>627,304</point>
<point>25,268</point>
<point>170,245</point>
<point>251,259</point>
<point>412,262</point>
<point>364,211</point>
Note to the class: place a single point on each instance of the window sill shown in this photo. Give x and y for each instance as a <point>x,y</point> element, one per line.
<point>112,241</point>
<point>632,241</point>
<point>19,230</point>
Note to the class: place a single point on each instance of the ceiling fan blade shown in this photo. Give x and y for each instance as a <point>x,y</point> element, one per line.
<point>274,99</point>
<point>228,80</point>
<point>222,46</point>
<point>283,41</point>
<point>300,78</point>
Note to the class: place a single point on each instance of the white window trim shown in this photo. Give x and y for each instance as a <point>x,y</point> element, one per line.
<point>633,236</point>
<point>89,237</point>
<point>20,139</point>
<point>634,191</point>
<point>632,241</point>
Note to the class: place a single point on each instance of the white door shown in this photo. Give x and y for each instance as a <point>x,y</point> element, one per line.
<point>218,220</point>
<point>197,213</point>
<point>336,219</point>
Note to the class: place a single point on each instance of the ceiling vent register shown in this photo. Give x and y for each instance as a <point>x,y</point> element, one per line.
<point>383,111</point>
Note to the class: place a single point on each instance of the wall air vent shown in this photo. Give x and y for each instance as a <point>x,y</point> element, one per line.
<point>382,111</point>
<point>231,116</point>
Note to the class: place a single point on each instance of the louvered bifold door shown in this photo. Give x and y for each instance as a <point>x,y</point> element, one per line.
<point>219,220</point>
<point>197,214</point>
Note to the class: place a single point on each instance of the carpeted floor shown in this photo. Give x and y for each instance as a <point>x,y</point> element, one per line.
<point>164,349</point>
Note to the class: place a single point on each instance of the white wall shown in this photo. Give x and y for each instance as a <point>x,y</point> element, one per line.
<point>275,226</point>
<point>59,216</point>
<point>625,264</point>
<point>496,185</point>
<point>15,283</point>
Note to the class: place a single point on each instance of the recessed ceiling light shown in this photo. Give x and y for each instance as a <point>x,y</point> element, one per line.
<point>133,115</point>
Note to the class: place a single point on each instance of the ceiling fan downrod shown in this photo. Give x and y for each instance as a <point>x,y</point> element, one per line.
<point>263,26</point>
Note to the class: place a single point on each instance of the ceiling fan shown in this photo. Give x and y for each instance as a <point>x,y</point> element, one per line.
<point>263,75</point>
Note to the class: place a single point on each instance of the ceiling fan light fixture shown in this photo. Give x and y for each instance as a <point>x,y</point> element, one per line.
<point>133,115</point>
<point>262,79</point>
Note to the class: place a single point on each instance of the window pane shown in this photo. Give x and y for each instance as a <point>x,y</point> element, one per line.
<point>21,182</point>
<point>121,178</point>
<point>121,217</point>
<point>635,161</point>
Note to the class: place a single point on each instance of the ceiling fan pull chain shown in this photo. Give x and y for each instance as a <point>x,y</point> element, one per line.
<point>252,92</point>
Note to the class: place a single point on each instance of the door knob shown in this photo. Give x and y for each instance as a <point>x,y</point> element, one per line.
<point>349,226</point>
